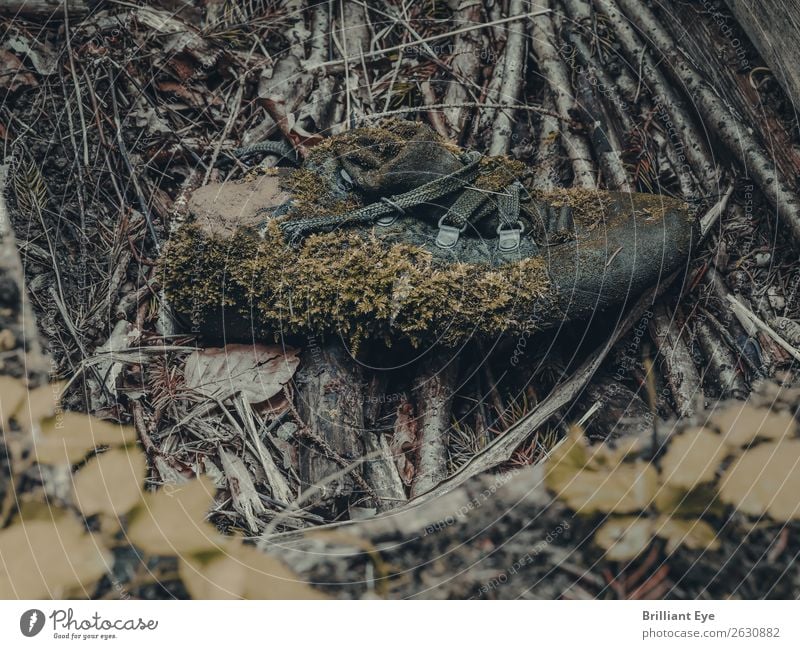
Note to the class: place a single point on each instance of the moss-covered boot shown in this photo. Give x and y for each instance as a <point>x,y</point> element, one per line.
<point>391,232</point>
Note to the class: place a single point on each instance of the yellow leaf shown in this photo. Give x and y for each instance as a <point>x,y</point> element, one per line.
<point>242,572</point>
<point>741,424</point>
<point>12,392</point>
<point>692,458</point>
<point>110,483</point>
<point>624,538</point>
<point>47,559</point>
<point>220,578</point>
<point>571,451</point>
<point>172,520</point>
<point>41,403</point>
<point>625,488</point>
<point>268,578</point>
<point>693,534</point>
<point>69,436</point>
<point>674,501</point>
<point>765,479</point>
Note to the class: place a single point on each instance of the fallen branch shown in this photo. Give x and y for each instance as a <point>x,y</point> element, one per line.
<point>433,392</point>
<point>555,74</point>
<point>736,135</point>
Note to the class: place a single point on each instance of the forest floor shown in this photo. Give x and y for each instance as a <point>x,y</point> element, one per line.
<point>112,117</point>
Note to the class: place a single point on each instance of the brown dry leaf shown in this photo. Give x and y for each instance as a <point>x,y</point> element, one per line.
<point>220,578</point>
<point>268,578</point>
<point>243,572</point>
<point>692,458</point>
<point>674,501</point>
<point>740,425</point>
<point>624,538</point>
<point>47,559</point>
<point>625,488</point>
<point>257,371</point>
<point>12,392</point>
<point>41,403</point>
<point>69,436</point>
<point>765,479</point>
<point>14,75</point>
<point>172,520</point>
<point>693,534</point>
<point>110,483</point>
<point>605,455</point>
<point>189,95</point>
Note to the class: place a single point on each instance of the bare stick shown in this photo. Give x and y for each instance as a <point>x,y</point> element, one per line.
<point>376,54</point>
<point>681,374</point>
<point>511,77</point>
<point>433,392</point>
<point>722,364</point>
<point>555,73</point>
<point>466,64</point>
<point>733,133</point>
<point>668,103</point>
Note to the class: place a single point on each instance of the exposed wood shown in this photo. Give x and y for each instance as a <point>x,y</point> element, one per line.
<point>330,403</point>
<point>681,374</point>
<point>774,28</point>
<point>51,9</point>
<point>433,396</point>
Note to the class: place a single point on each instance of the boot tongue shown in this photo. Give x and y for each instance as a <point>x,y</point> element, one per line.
<point>388,161</point>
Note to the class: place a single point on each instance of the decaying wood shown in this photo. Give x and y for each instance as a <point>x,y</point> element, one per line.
<point>722,370</point>
<point>331,405</point>
<point>466,65</point>
<point>434,386</point>
<point>728,127</point>
<point>618,411</point>
<point>51,9</point>
<point>774,28</point>
<point>668,101</point>
<point>605,117</point>
<point>512,76</point>
<point>681,373</point>
<point>552,68</point>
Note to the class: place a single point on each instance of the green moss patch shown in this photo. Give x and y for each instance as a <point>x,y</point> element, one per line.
<point>348,283</point>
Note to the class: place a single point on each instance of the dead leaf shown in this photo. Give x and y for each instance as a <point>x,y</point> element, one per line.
<point>69,436</point>
<point>47,559</point>
<point>13,74</point>
<point>624,538</point>
<point>692,458</point>
<point>190,96</point>
<point>741,424</point>
<point>693,534</point>
<point>675,501</point>
<point>243,572</point>
<point>172,520</point>
<point>110,483</point>
<point>765,479</point>
<point>40,403</point>
<point>12,392</point>
<point>590,483</point>
<point>220,578</point>
<point>259,372</point>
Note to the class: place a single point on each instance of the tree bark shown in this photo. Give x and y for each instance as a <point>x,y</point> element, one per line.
<point>433,392</point>
<point>774,28</point>
<point>330,403</point>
